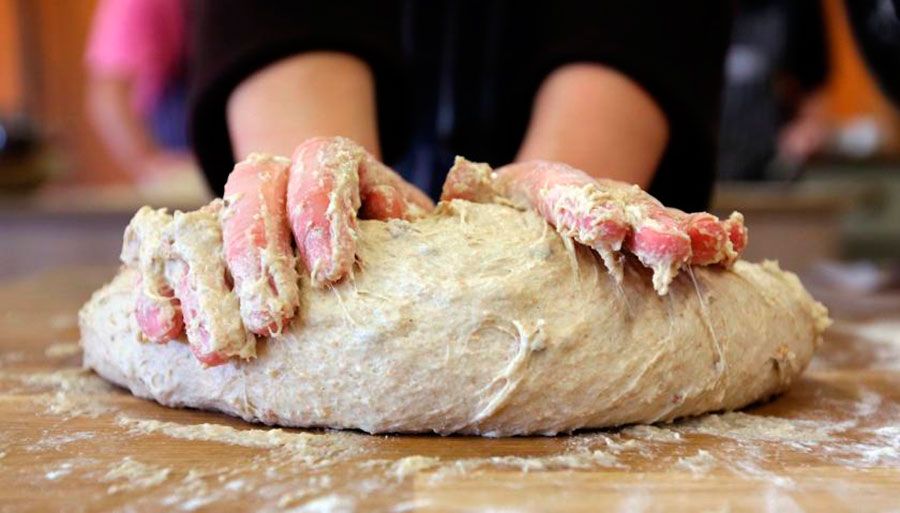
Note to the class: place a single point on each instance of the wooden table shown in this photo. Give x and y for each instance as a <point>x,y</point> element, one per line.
<point>71,443</point>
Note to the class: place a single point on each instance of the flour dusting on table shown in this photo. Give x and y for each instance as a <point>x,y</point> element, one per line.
<point>134,475</point>
<point>62,350</point>
<point>281,469</point>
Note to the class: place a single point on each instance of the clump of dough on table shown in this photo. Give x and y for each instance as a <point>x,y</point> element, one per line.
<point>479,319</point>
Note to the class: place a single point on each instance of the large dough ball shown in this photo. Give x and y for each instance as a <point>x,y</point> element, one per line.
<point>480,319</point>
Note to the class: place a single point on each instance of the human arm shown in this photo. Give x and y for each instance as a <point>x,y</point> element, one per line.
<point>598,120</point>
<point>134,50</point>
<point>624,98</point>
<point>124,132</point>
<point>311,94</point>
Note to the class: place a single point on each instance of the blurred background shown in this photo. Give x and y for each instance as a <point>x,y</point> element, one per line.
<point>810,136</point>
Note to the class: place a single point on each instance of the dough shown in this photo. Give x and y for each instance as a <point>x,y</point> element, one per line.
<point>480,319</point>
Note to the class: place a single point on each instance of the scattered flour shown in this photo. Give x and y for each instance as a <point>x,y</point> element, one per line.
<point>410,465</point>
<point>134,475</point>
<point>66,468</point>
<point>869,402</point>
<point>305,490</point>
<point>331,503</point>
<point>62,470</point>
<point>67,393</point>
<point>193,492</point>
<point>56,442</point>
<point>66,380</point>
<point>883,449</point>
<point>700,463</point>
<point>882,338</point>
<point>69,405</point>
<point>657,434</point>
<point>743,426</point>
<point>308,446</point>
<point>62,350</point>
<point>330,471</point>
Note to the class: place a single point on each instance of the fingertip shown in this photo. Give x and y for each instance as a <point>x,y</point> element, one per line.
<point>384,202</point>
<point>212,359</point>
<point>737,231</point>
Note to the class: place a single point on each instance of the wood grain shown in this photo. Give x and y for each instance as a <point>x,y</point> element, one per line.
<point>70,443</point>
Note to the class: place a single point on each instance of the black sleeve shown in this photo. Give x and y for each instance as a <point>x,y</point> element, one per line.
<point>674,50</point>
<point>233,38</point>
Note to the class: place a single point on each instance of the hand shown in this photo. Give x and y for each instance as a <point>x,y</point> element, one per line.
<point>802,138</point>
<point>605,215</point>
<point>185,260</point>
<point>807,133</point>
<point>330,179</point>
<point>183,283</point>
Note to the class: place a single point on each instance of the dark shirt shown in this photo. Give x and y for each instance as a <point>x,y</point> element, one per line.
<point>460,77</point>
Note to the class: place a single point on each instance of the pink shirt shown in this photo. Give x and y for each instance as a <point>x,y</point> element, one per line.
<point>141,40</point>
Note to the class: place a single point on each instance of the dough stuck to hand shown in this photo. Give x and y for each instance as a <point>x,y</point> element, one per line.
<point>477,319</point>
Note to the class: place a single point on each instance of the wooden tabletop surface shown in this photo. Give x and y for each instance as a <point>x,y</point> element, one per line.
<point>69,442</point>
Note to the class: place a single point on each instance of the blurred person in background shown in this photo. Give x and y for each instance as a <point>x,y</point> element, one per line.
<point>790,64</point>
<point>773,109</point>
<point>621,90</point>
<point>136,94</point>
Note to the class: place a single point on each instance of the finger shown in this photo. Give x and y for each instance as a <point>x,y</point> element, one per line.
<point>383,202</point>
<point>386,195</point>
<point>198,274</point>
<point>710,243</point>
<point>330,178</point>
<point>572,202</point>
<point>657,237</point>
<point>659,242</point>
<point>470,181</point>
<point>159,317</point>
<point>322,200</point>
<point>737,233</point>
<point>201,343</point>
<point>257,242</point>
<point>157,311</point>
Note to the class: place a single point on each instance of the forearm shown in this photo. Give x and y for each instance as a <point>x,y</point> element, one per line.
<point>598,120</point>
<point>120,127</point>
<point>304,96</point>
